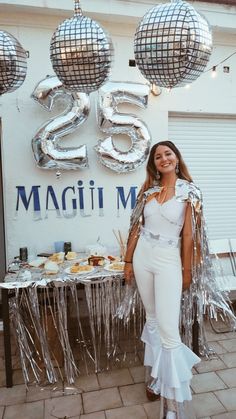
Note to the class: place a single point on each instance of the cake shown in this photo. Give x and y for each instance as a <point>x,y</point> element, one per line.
<point>71,255</point>
<point>51,267</point>
<point>57,257</point>
<point>80,268</point>
<point>96,260</point>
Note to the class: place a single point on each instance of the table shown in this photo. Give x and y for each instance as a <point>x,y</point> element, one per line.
<point>40,311</point>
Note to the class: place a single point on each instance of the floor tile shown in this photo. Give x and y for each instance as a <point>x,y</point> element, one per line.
<point>32,410</point>
<point>66,406</point>
<point>138,374</point>
<point>129,412</point>
<point>227,398</point>
<point>228,376</point>
<point>210,365</point>
<point>206,405</point>
<point>133,394</point>
<point>35,393</point>
<point>212,336</point>
<point>229,415</point>
<point>96,415</point>
<point>101,400</point>
<point>115,378</point>
<point>208,381</point>
<point>218,347</point>
<point>231,335</point>
<point>13,395</point>
<point>152,409</point>
<point>87,382</point>
<point>229,359</point>
<point>229,345</point>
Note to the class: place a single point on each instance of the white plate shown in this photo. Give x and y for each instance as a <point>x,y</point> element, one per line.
<point>67,270</point>
<point>111,269</point>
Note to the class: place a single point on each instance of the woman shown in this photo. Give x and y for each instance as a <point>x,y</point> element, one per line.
<point>164,255</point>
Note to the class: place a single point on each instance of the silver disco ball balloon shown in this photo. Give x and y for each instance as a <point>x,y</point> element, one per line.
<point>13,65</point>
<point>81,53</point>
<point>172,44</point>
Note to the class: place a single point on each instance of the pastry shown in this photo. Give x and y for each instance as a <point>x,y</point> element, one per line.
<point>57,257</point>
<point>51,268</point>
<point>71,255</point>
<point>80,268</point>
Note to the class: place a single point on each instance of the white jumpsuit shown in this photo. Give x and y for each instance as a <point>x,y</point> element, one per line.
<point>158,273</point>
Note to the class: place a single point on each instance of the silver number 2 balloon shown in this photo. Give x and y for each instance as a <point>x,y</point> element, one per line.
<point>46,149</point>
<point>113,122</point>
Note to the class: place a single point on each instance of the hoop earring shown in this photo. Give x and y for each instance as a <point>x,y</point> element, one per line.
<point>177,168</point>
<point>158,176</point>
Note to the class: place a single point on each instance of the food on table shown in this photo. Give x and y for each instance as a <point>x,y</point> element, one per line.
<point>39,262</point>
<point>51,268</point>
<point>116,266</point>
<point>71,255</point>
<point>76,268</point>
<point>113,258</point>
<point>57,257</point>
<point>95,260</point>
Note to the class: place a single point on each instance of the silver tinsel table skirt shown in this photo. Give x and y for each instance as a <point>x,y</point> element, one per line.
<point>68,325</point>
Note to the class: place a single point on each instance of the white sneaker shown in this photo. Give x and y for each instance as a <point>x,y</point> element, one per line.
<point>171,415</point>
<point>155,386</point>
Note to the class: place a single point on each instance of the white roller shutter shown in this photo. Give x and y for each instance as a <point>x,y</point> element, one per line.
<point>208,146</point>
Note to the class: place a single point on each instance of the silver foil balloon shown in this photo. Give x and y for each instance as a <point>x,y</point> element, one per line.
<point>172,44</point>
<point>46,149</point>
<point>13,65</point>
<point>81,53</point>
<point>113,122</point>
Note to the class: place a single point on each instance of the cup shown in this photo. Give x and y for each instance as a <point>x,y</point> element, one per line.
<point>67,247</point>
<point>23,254</point>
<point>59,246</point>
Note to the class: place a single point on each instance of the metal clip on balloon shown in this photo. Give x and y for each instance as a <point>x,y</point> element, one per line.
<point>81,53</point>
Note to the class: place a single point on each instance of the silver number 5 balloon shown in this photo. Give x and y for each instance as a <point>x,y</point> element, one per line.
<point>46,149</point>
<point>112,122</point>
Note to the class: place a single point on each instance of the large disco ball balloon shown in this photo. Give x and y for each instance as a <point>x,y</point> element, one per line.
<point>81,53</point>
<point>13,65</point>
<point>172,44</point>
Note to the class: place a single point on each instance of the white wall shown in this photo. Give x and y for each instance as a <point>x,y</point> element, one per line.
<point>21,117</point>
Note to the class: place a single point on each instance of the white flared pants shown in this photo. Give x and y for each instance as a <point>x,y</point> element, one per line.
<point>158,273</point>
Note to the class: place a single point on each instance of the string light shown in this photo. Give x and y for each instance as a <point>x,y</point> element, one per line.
<point>214,73</point>
<point>213,69</point>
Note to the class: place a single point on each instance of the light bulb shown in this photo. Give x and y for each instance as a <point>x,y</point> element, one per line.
<point>214,72</point>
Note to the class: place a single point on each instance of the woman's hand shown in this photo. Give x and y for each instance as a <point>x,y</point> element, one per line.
<point>187,279</point>
<point>128,273</point>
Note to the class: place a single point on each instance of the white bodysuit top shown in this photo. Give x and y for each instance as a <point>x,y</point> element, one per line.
<point>166,219</point>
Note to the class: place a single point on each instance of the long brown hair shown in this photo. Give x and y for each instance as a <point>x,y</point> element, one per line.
<point>151,168</point>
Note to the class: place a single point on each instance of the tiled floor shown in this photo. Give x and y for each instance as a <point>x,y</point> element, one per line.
<point>120,394</point>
